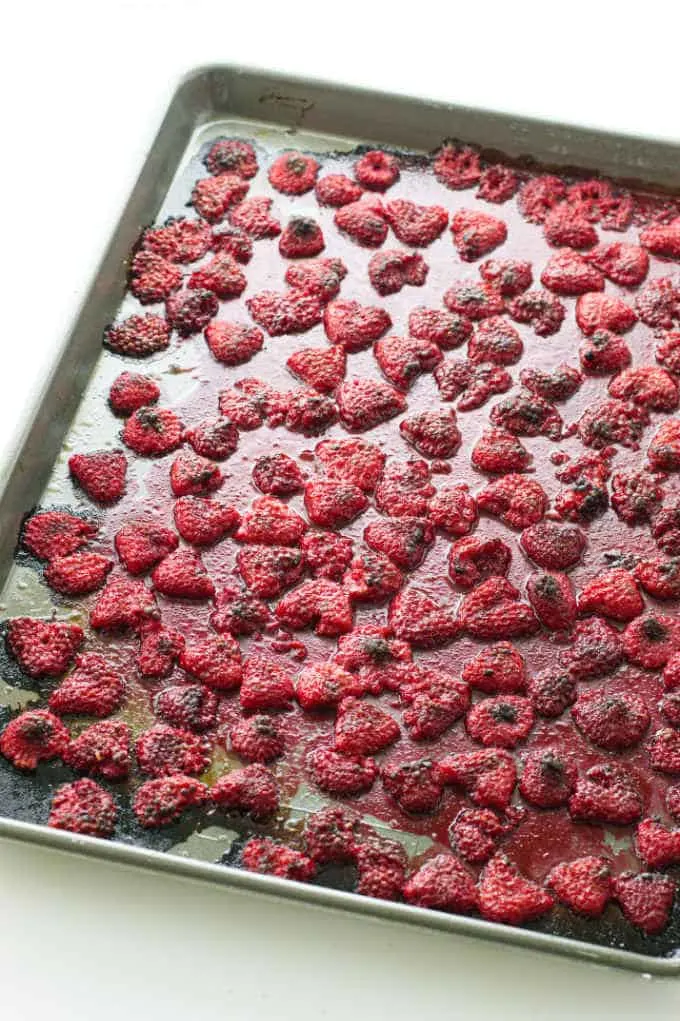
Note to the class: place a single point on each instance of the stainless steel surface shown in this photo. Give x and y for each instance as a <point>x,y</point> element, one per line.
<point>327,116</point>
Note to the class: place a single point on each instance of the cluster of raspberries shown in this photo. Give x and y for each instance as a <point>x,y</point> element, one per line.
<point>338,529</point>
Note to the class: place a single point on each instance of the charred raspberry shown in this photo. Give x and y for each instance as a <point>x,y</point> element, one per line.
<point>321,603</point>
<point>293,173</point>
<point>141,544</point>
<point>354,326</point>
<point>131,391</point>
<point>163,801</point>
<point>254,216</point>
<point>178,239</point>
<point>606,794</point>
<point>93,688</point>
<point>425,622</point>
<point>547,780</point>
<point>363,221</point>
<point>505,895</point>
<point>475,234</point>
<point>551,692</point>
<point>321,368</point>
<point>324,686</point>
<point>636,496</point>
<point>405,541</point>
<point>215,660</point>
<point>558,385</point>
<point>502,721</point>
<point>496,341</point>
<point>613,722</point>
<point>414,785</point>
<point>341,774</point>
<point>597,650</point>
<point>100,475</point>
<point>499,452</point>
<point>189,312</point>
<point>327,555</point>
<point>239,612</point>
<point>271,522</point>
<point>587,497</point>
<point>231,155</point>
<point>663,239</point>
<point>553,600</point>
<point>538,196</point>
<point>51,534</point>
<point>257,738</point>
<point>182,575</point>
<point>43,648</point>
<point>525,414</point>
<point>252,790</point>
<point>650,640</point>
<point>192,475</point>
<point>597,311</point>
<point>475,558</point>
<point>365,403</point>
<point>152,279</point>
<point>362,728</point>
<point>612,594</point>
<point>337,190</point>
<point>446,329</point>
<point>567,273</point>
<point>266,685</point>
<point>611,422</point>
<point>553,545</point>
<point>32,737</point>
<point>432,433</point>
<point>101,750</point>
<point>212,197</point>
<point>497,183</point>
<point>124,604</point>
<point>372,578</point>
<point>233,343</point>
<point>331,835</point>
<point>301,239</point>
<point>509,276</point>
<point>403,359</point>
<point>663,749</point>
<point>216,438</point>
<point>318,276</point>
<point>415,225</point>
<point>263,855</point>
<point>457,166</point>
<point>584,885</point>
<point>646,899</point>
<point>83,807</point>
<point>152,432</point>
<point>474,299</point>
<point>623,264</point>
<point>392,269</point>
<point>277,475</point>
<point>309,412</point>
<point>78,574</point>
<point>542,310</point>
<point>293,311</point>
<point>515,499</point>
<point>202,521</point>
<point>159,650</point>
<point>167,751</point>
<point>234,242</point>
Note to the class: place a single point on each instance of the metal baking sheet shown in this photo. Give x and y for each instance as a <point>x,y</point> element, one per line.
<point>277,111</point>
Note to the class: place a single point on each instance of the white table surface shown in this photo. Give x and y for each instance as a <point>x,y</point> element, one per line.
<point>83,87</point>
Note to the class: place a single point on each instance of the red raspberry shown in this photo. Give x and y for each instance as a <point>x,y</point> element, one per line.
<point>662,239</point>
<point>277,475</point>
<point>254,216</point>
<point>331,835</point>
<point>257,739</point>
<point>475,558</point>
<point>203,522</point>
<point>547,780</point>
<point>124,604</point>
<point>392,269</point>
<point>32,737</point>
<point>501,722</point>
<point>669,708</point>
<point>250,790</point>
<point>140,545</point>
<point>488,776</point>
<point>650,640</point>
<point>457,166</point>
<point>263,855</point>
<point>525,414</point>
<point>233,343</point>
<point>552,692</point>
<point>309,412</point>
<point>611,422</point>
<point>324,686</point>
<point>664,453</point>
<point>453,510</point>
<point>93,688</point>
<point>321,277</point>
<point>649,386</point>
<point>541,309</point>
<point>341,774</point>
<point>597,650</point>
<point>178,239</point>
<point>584,885</point>
<point>230,155</point>
<point>365,403</point>
<point>321,603</point>
<point>216,438</point>
<point>354,326</point>
<point>673,800</point>
<point>623,264</point>
<point>323,369</point>
<point>272,522</point>
<point>475,234</point>
<point>377,170</point>
<point>597,311</point>
<point>266,685</point>
<point>417,618</point>
<point>635,496</point>
<point>131,391</point>
<point>505,895</point>
<point>382,868</point>
<point>415,225</point>
<point>372,578</point>
<point>657,845</point>
<point>235,242</point>
<point>613,722</point>
<point>606,794</point>
<point>646,899</point>
<point>538,196</point>
<point>83,807</point>
<point>659,577</point>
<point>327,555</point>
<point>292,311</point>
<point>405,541</point>
<point>443,884</point>
<point>588,497</point>
<point>592,195</point>
<point>372,648</point>
<point>167,751</point>
<point>215,660</point>
<point>222,276</point>
<point>671,672</point>
<point>362,728</point>
<point>668,350</point>
<point>434,709</point>
<point>493,610</point>
<point>474,834</point>
<point>101,475</point>
<point>497,669</point>
<point>476,382</point>
<point>182,575</point>
<point>251,402</point>
<point>363,221</point>
<point>432,433</point>
<point>497,341</point>
<point>239,612</point>
<point>152,279</point>
<point>161,802</point>
<point>101,750</point>
<point>446,329</point>
<point>159,650</point>
<point>553,600</point>
<point>78,574</point>
<point>43,648</point>
<point>475,299</point>
<point>664,750</point>
<point>566,225</point>
<point>403,359</point>
<point>354,461</point>
<point>509,276</point>
<point>192,475</point>
<point>293,173</point>
<point>212,197</point>
<point>150,432</point>
<point>515,499</point>
<point>50,534</point>
<point>553,545</point>
<point>337,190</point>
<point>558,385</point>
<point>301,239</point>
<point>612,594</point>
<point>497,183</point>
<point>404,489</point>
<point>567,273</point>
<point>189,312</point>
<point>414,785</point>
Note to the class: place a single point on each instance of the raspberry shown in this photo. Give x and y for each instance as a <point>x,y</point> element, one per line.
<point>372,578</point>
<point>331,835</point>
<point>131,391</point>
<point>415,225</point>
<point>324,686</point>
<point>405,541</point>
<point>234,242</point>
<point>212,197</point>
<point>443,884</point>
<point>152,279</point>
<point>668,350</point>
<point>538,196</point>
<point>553,600</point>
<point>453,510</point>
<point>178,239</point>
<point>321,603</point>
<point>649,386</point>
<point>475,558</point>
<point>673,800</point>
<point>101,750</point>
<point>372,648</point>
<point>257,738</point>
<point>159,650</point>
<point>646,899</point>
<point>659,577</point>
<point>341,774</point>
<point>230,155</point>
<point>167,751</point>
<point>203,522</point>
<point>567,273</point>
<point>584,885</point>
<point>293,173</point>
<point>650,640</point>
<point>623,264</point>
<point>189,312</point>
<point>591,196</point>
<point>669,708</point>
<point>403,359</point>
<point>611,422</point>
<point>664,750</point>
<point>292,311</point>
<point>192,475</point>
<point>432,433</point>
<point>457,166</point>
<point>239,612</point>
<point>547,780</point>
<point>100,475</point>
<point>505,895</point>
<point>337,190</point>
<point>215,660</point>
<point>363,221</point>
<point>474,834</point>
<point>301,239</point>
<point>216,438</point>
<point>124,604</point>
<point>362,729</point>
<point>657,845</point>
<point>497,184</point>
<point>612,594</point>
<point>182,575</point>
<point>354,326</point>
<point>488,776</point>
<point>78,574</point>
<point>497,669</point>
<point>141,544</point>
<point>32,737</point>
<point>417,618</point>
<point>392,269</point>
<point>309,412</point>
<point>475,234</point>
<point>94,688</point>
<point>277,475</point>
<point>377,170</point>
<point>509,276</point>
<point>606,794</point>
<point>222,276</point>
<point>251,790</point>
<point>597,311</point>
<point>263,855</point>
<point>635,496</point>
<point>588,497</point>
<point>43,648</point>
<point>83,807</point>
<point>617,211</point>
<point>666,529</point>
<point>365,403</point>
<point>474,299</point>
<point>502,721</point>
<point>516,500</point>
<point>613,722</point>
<point>446,329</point>
<point>150,432</point>
<point>317,276</point>
<point>662,239</point>
<point>266,685</point>
<point>497,451</point>
<point>163,801</point>
<point>382,868</point>
<point>434,709</point>
<point>233,343</point>
<point>566,225</point>
<point>542,310</point>
<point>327,555</point>
<point>496,341</point>
<point>476,382</point>
<point>671,672</point>
<point>553,545</point>
<point>323,369</point>
<point>552,692</point>
<point>354,461</point>
<point>272,522</point>
<point>254,216</point>
<point>493,610</point>
<point>404,489</point>
<point>51,534</point>
<point>558,385</point>
<point>525,414</point>
<point>597,650</point>
<point>251,402</point>
<point>413,785</point>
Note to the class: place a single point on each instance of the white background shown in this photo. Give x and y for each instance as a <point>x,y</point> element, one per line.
<point>83,88</point>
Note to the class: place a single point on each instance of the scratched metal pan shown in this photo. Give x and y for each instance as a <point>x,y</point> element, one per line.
<point>288,111</point>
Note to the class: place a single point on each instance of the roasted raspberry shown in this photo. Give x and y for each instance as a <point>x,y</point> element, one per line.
<point>538,196</point>
<point>664,750</point>
<point>646,899</point>
<point>553,546</point>
<point>354,326</point>
<point>362,728</point>
<point>650,640</point>
<point>475,299</point>
<point>592,196</point>
<point>189,312</point>
<point>597,311</point>
<point>215,660</point>
<point>613,722</point>
<point>257,738</point>
<point>377,170</point>
<point>93,688</point>
<point>370,647</point>
<point>78,574</point>
<point>403,359</point>
<point>101,750</point>
<point>163,801</point>
<point>337,190</point>
<point>266,685</point>
<point>612,594</point>
<point>662,239</point>
<point>669,708</point>
<point>251,402</point>
<point>616,211</point>
<point>649,386</point>
<point>587,498</point>
<point>494,610</point>
<point>331,835</point>
<point>140,545</point>
<point>182,575</point>
<point>178,239</point>
<point>597,650</point>
<point>501,722</point>
<point>553,600</point>
<point>301,239</point>
<point>475,234</point>
<point>542,310</point>
<point>234,242</point>
<point>584,885</point>
<point>515,499</point>
<point>443,884</point>
<point>606,794</point>
<point>309,412</point>
<point>476,382</point>
<point>474,834</point>
<point>525,414</point>
<point>551,692</point>
<point>497,451</point>
<point>404,489</point>
<point>152,432</point>
<point>254,216</point>
<point>659,577</point>
<point>382,868</point>
<point>212,197</point>
<point>341,774</point>
<point>83,807</point>
<point>325,685</point>
<point>277,475</point>
<point>547,780</point>
<point>363,221</point>
<point>668,350</point>
<point>231,155</point>
<point>100,475</point>
<point>223,277</point>
<point>392,269</point>
<point>657,845</point>
<point>664,450</point>
<point>293,173</point>
<point>414,785</point>
<point>327,555</point>
<point>457,166</point>
<point>623,264</point>
<point>434,706</point>
<point>372,578</point>
<point>558,385</point>
<point>152,279</point>
<point>405,541</point>
<point>567,273</point>
<point>497,183</point>
<point>202,521</point>
<point>233,343</point>
<point>497,669</point>
<point>475,558</point>
<point>43,648</point>
<point>496,341</point>
<point>415,225</point>
<point>271,522</point>
<point>613,421</point>
<point>32,737</point>
<point>635,496</point>
<point>505,895</point>
<point>567,225</point>
<point>323,369</point>
<point>131,391</point>
<point>167,751</point>
<point>321,603</point>
<point>509,276</point>
<point>454,510</point>
<point>52,534</point>
<point>193,475</point>
<point>321,277</point>
<point>417,618</point>
<point>293,311</point>
<point>354,461</point>
<point>263,855</point>
<point>159,650</point>
<point>364,403</point>
<point>251,789</point>
<point>124,604</point>
<point>432,433</point>
<point>671,672</point>
<point>216,438</point>
<point>239,612</point>
<point>487,776</point>
<point>673,800</point>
